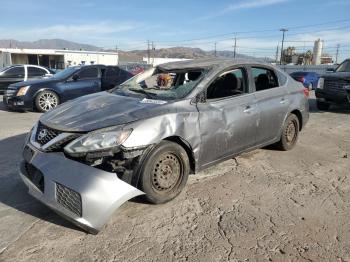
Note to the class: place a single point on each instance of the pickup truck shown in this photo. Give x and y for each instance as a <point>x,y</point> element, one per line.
<point>73,82</point>
<point>334,88</point>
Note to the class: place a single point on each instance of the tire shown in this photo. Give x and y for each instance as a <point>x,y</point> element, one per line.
<point>164,172</point>
<point>46,100</point>
<point>290,133</point>
<point>322,105</point>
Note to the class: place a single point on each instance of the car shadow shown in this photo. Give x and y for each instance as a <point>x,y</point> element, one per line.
<point>337,109</point>
<point>14,193</point>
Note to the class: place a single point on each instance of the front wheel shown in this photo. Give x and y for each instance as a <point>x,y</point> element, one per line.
<point>164,173</point>
<point>290,133</point>
<point>46,100</point>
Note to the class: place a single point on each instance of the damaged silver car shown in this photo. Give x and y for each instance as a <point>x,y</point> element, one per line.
<point>88,156</point>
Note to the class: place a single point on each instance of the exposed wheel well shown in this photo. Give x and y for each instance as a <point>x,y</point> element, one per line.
<point>300,118</point>
<point>188,149</point>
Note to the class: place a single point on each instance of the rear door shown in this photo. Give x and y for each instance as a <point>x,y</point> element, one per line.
<point>10,76</point>
<point>272,100</point>
<point>88,81</point>
<point>228,118</point>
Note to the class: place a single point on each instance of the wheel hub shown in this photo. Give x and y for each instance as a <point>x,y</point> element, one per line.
<point>290,132</point>
<point>47,101</point>
<point>166,173</point>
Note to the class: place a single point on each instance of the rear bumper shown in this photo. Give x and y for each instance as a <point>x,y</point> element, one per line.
<point>84,195</point>
<point>337,97</point>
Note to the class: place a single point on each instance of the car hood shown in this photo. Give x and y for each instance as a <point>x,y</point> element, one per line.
<point>343,75</point>
<point>35,82</point>
<point>101,110</point>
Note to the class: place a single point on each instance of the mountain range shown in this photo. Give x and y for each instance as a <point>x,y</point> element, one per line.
<point>124,56</point>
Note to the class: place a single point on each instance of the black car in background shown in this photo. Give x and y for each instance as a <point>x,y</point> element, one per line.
<point>18,73</point>
<point>334,88</point>
<point>73,82</point>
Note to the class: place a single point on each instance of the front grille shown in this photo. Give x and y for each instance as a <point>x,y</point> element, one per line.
<point>69,199</point>
<point>35,176</point>
<point>336,84</point>
<point>10,92</point>
<point>45,134</point>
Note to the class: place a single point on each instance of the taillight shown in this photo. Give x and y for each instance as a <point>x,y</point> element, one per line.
<point>306,92</point>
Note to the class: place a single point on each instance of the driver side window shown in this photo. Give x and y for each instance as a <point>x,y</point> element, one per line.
<point>91,72</point>
<point>228,84</point>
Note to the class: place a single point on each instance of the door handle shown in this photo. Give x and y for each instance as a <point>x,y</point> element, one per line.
<point>247,109</point>
<point>283,101</point>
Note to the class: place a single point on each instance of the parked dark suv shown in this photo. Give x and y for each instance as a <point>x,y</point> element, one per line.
<point>334,88</point>
<point>73,82</point>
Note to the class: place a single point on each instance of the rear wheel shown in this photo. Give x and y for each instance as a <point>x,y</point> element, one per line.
<point>322,105</point>
<point>46,100</point>
<point>164,173</point>
<point>290,133</point>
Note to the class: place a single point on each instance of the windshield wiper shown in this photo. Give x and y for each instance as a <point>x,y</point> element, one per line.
<point>141,91</point>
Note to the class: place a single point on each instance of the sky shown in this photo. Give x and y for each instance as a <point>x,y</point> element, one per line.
<point>129,24</point>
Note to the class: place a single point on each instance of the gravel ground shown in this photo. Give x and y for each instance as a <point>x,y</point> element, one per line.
<point>264,205</point>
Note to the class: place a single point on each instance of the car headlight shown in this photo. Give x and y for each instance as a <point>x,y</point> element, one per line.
<point>97,141</point>
<point>22,91</point>
<point>320,83</point>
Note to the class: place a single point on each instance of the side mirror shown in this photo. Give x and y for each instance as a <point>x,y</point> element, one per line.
<point>200,98</point>
<point>75,77</point>
<point>331,70</point>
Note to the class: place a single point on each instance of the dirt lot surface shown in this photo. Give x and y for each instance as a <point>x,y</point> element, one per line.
<point>264,205</point>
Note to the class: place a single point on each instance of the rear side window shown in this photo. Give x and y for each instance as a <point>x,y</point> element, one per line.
<point>91,72</point>
<point>264,78</point>
<point>35,71</point>
<point>15,72</point>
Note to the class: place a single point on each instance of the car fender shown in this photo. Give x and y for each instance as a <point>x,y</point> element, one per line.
<point>184,126</point>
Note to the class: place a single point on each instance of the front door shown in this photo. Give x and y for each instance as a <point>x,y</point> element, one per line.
<point>228,118</point>
<point>88,81</point>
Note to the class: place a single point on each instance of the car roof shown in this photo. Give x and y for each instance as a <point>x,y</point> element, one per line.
<point>208,63</point>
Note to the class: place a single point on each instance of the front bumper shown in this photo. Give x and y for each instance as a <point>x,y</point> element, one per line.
<point>17,102</point>
<point>337,97</point>
<point>84,195</point>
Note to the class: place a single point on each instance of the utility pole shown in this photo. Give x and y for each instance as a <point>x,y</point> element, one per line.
<point>283,30</point>
<point>277,53</point>
<point>337,54</point>
<point>215,49</point>
<point>235,47</point>
<point>153,51</point>
<point>148,52</point>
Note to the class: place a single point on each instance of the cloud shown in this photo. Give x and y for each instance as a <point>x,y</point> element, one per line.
<point>78,32</point>
<point>249,4</point>
<point>253,4</point>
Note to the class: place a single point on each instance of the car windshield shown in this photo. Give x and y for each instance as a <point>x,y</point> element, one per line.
<point>66,72</point>
<point>344,67</point>
<point>161,85</point>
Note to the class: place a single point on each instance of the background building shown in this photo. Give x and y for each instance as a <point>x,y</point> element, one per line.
<point>57,59</point>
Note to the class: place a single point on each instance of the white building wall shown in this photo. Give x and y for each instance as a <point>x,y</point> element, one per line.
<point>75,57</point>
